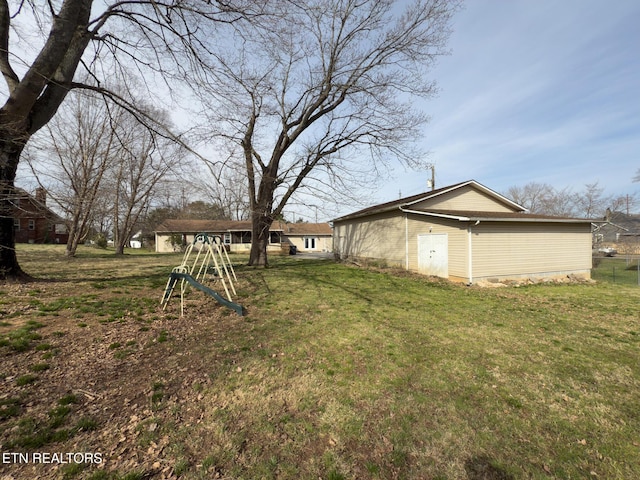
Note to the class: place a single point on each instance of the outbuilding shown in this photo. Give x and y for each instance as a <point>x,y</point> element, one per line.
<point>466,232</point>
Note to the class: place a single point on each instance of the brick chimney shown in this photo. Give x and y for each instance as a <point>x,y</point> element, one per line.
<point>41,195</point>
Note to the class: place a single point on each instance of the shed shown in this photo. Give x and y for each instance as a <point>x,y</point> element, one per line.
<point>466,232</point>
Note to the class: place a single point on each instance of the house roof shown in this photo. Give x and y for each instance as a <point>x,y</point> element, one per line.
<point>176,225</point>
<point>599,225</point>
<point>39,208</point>
<point>405,204</point>
<point>620,221</point>
<point>211,226</point>
<point>306,229</point>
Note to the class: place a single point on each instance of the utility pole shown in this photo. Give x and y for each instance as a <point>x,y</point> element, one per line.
<point>433,177</point>
<point>627,204</point>
<point>432,183</point>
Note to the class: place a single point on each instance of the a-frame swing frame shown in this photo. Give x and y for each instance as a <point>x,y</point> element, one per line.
<point>210,254</point>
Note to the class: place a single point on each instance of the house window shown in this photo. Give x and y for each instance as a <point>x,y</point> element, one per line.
<point>32,224</point>
<point>274,237</point>
<point>227,238</point>
<point>16,223</point>
<point>310,243</point>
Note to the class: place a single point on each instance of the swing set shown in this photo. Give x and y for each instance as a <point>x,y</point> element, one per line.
<point>211,262</point>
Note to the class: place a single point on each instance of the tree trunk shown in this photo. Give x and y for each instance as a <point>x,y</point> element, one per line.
<point>260,240</point>
<point>9,267</point>
<point>72,243</point>
<point>262,217</point>
<point>10,151</point>
<point>119,241</point>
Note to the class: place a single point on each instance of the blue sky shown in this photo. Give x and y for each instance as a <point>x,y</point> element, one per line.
<point>536,90</point>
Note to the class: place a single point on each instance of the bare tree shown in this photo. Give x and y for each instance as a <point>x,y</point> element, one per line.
<point>229,191</point>
<point>533,196</point>
<point>562,202</point>
<point>547,200</point>
<point>624,203</point>
<point>80,146</point>
<point>156,37</point>
<point>145,159</point>
<point>591,202</point>
<point>323,96</point>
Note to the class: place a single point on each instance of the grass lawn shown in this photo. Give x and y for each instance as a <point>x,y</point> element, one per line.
<point>336,372</point>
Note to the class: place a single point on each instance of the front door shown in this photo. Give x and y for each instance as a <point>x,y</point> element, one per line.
<point>433,254</point>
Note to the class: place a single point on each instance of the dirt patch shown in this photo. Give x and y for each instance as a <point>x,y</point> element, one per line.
<point>108,389</point>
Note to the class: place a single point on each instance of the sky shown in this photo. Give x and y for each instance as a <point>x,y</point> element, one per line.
<point>540,91</point>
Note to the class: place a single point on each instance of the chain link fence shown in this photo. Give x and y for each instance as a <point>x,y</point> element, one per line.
<point>624,269</point>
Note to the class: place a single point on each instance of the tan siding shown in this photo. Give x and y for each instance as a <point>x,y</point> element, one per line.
<point>501,250</point>
<point>376,237</point>
<point>466,198</point>
<point>163,243</point>
<point>323,243</point>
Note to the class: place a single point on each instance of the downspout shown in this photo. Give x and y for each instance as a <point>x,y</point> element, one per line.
<point>469,255</point>
<point>406,241</point>
<point>470,252</point>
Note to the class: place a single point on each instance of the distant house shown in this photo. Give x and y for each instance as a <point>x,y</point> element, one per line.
<point>606,232</point>
<point>308,237</point>
<point>172,234</point>
<point>619,231</point>
<point>466,232</point>
<point>33,221</point>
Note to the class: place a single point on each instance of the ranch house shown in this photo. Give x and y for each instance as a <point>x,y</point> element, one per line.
<point>172,234</point>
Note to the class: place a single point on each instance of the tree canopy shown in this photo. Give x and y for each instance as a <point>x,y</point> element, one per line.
<point>59,42</point>
<point>295,93</point>
<point>320,96</point>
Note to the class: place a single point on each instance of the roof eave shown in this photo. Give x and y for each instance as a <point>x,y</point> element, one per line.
<point>367,214</point>
<point>477,218</point>
<point>439,215</point>
<point>530,220</point>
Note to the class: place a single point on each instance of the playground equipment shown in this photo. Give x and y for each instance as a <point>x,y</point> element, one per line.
<point>211,260</point>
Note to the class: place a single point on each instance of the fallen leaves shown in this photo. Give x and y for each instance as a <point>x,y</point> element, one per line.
<point>112,386</point>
